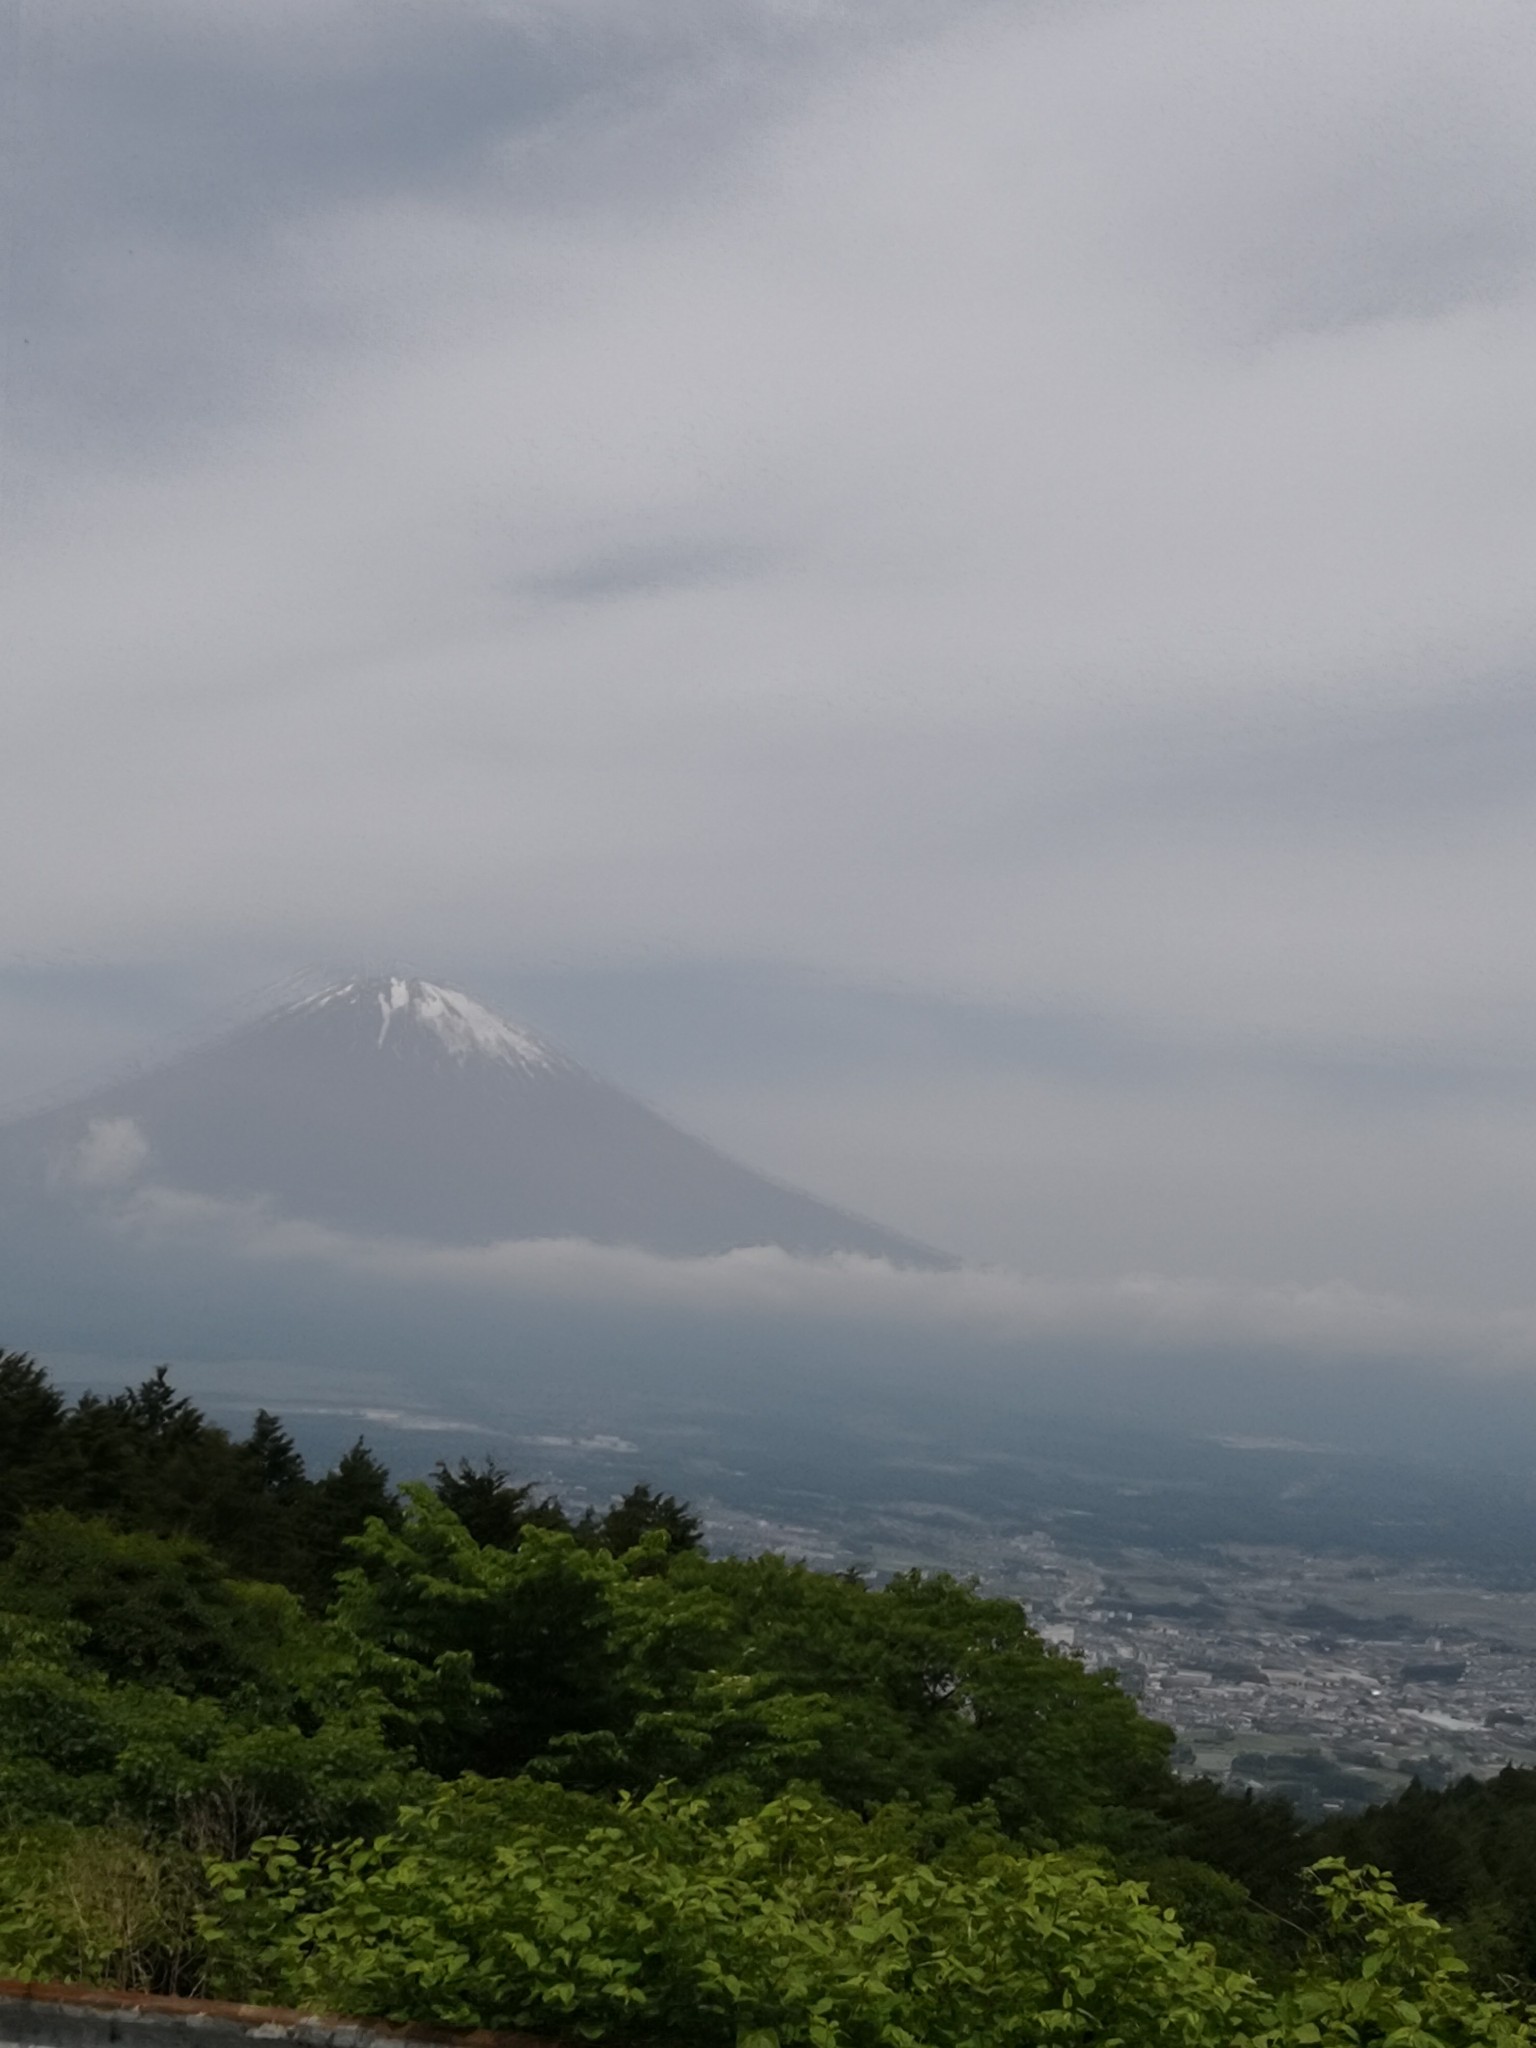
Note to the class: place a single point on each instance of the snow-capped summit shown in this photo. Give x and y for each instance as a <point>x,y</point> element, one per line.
<point>463,1026</point>
<point>396,1107</point>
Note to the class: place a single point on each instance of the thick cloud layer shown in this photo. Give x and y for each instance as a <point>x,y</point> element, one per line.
<point>1017,520</point>
<point>991,1306</point>
<point>255,1307</point>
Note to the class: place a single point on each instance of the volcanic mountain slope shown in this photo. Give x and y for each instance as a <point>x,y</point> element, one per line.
<point>396,1107</point>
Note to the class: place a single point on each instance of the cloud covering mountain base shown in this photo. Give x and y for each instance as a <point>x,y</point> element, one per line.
<point>155,1271</point>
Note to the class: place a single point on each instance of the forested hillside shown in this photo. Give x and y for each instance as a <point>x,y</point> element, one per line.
<point>447,1753</point>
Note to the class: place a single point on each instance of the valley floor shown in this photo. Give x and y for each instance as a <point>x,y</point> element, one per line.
<point>1333,1678</point>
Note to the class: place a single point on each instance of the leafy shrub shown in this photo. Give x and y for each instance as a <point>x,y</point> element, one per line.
<point>521,1905</point>
<point>101,1906</point>
<point>306,1754</point>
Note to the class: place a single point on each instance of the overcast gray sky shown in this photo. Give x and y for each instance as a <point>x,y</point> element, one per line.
<point>948,592</point>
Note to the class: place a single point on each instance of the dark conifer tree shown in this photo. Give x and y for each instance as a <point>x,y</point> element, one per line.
<point>270,1456</point>
<point>339,1505</point>
<point>642,1510</point>
<point>485,1500</point>
<point>31,1409</point>
<point>31,1423</point>
<point>492,1508</point>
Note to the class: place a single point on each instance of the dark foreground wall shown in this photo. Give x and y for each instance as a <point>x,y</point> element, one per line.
<point>71,2016</point>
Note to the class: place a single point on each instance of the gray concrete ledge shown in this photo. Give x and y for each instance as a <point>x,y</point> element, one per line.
<point>79,2016</point>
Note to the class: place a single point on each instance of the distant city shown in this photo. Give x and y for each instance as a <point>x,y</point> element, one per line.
<point>1331,1679</point>
<point>1330,1672</point>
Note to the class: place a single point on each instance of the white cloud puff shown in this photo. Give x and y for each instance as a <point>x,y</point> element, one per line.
<point>110,1155</point>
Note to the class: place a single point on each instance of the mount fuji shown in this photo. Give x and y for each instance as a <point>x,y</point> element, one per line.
<point>397,1108</point>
